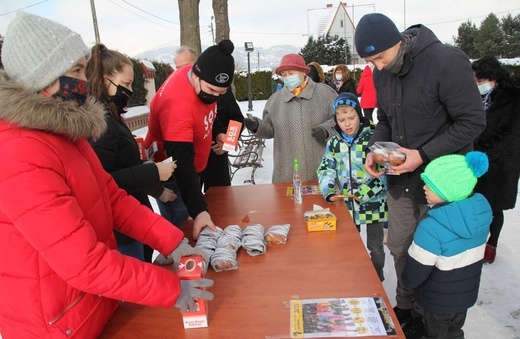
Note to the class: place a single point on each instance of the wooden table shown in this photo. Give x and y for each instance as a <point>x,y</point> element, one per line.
<point>250,302</point>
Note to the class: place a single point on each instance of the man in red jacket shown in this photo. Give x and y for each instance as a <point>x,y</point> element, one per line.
<point>60,273</point>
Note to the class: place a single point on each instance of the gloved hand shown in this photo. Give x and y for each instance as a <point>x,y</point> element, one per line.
<point>189,291</point>
<point>184,249</point>
<point>320,134</point>
<point>251,124</point>
<point>162,260</point>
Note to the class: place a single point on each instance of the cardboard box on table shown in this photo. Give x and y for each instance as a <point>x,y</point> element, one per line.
<point>191,268</point>
<point>320,220</point>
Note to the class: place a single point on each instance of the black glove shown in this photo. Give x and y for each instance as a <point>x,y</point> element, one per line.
<point>252,124</point>
<point>320,134</point>
<point>189,291</point>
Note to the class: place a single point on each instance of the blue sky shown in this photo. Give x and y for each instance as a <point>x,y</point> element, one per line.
<point>135,26</point>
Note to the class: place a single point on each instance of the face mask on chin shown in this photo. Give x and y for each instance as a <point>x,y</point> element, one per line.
<point>120,99</point>
<point>206,97</point>
<point>72,89</point>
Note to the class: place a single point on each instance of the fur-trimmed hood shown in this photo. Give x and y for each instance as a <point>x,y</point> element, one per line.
<point>31,110</point>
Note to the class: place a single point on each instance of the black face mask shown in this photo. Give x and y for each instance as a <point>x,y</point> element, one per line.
<point>120,99</point>
<point>206,97</point>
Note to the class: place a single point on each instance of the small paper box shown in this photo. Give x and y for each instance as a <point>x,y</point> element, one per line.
<point>232,134</point>
<point>320,220</point>
<point>140,146</point>
<point>191,268</point>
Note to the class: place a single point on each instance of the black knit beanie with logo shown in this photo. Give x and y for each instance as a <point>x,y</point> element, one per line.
<point>216,65</point>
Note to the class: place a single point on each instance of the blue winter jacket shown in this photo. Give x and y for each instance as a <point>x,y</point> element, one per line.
<point>444,262</point>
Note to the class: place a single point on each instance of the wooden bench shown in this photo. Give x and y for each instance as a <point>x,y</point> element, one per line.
<point>249,155</point>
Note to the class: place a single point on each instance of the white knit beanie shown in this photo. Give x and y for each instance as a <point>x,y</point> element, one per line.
<point>37,51</point>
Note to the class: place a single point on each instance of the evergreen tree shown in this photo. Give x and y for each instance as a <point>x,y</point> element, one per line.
<point>511,27</point>
<point>139,96</point>
<point>490,39</point>
<point>327,50</point>
<point>465,41</point>
<point>162,72</point>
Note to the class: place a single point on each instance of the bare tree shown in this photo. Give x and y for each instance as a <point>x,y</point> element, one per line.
<point>220,10</point>
<point>190,28</point>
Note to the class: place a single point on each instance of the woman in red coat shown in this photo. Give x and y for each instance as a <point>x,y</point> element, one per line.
<point>61,275</point>
<point>367,91</point>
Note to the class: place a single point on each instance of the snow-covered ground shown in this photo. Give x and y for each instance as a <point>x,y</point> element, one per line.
<point>497,312</point>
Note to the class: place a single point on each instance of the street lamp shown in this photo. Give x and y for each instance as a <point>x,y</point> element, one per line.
<point>249,48</point>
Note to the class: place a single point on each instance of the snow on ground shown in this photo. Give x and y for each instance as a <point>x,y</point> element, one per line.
<point>496,314</point>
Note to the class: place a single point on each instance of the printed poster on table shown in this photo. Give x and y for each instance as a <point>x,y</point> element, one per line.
<point>340,317</point>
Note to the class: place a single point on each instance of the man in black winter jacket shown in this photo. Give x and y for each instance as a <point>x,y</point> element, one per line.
<point>428,103</point>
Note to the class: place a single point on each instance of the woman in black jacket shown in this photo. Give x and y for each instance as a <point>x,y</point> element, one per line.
<point>501,99</point>
<point>343,81</point>
<point>111,75</point>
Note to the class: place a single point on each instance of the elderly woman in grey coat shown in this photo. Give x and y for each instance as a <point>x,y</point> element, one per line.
<point>298,118</point>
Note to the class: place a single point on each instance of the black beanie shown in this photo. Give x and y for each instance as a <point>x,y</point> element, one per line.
<point>216,65</point>
<point>375,33</point>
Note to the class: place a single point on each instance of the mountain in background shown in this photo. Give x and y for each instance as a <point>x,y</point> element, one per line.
<point>259,58</point>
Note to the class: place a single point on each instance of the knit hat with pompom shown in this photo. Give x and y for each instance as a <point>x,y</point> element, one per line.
<point>453,177</point>
<point>216,65</point>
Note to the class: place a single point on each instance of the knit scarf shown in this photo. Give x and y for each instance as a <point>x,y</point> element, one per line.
<point>395,65</point>
<point>298,90</point>
<point>486,99</point>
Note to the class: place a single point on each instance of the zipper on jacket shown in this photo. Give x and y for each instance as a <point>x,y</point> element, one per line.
<point>74,303</point>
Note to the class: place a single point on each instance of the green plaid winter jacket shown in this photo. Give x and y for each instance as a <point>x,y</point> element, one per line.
<point>342,167</point>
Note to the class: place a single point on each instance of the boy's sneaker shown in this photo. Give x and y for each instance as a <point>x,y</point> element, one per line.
<point>403,315</point>
<point>490,254</point>
<point>414,328</point>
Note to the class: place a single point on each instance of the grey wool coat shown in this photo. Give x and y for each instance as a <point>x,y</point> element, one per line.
<point>289,120</point>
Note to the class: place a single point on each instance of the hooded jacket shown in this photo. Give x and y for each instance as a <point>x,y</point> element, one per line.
<point>444,262</point>
<point>366,89</point>
<point>501,143</point>
<point>432,105</point>
<point>343,165</point>
<point>61,275</point>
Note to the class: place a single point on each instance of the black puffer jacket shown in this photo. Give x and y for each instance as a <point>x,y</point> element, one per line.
<point>118,152</point>
<point>501,143</point>
<point>432,105</point>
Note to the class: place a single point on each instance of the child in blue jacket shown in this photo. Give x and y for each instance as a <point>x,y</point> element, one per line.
<point>444,262</point>
<point>342,166</point>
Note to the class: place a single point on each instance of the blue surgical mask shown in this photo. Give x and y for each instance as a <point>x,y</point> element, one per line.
<point>293,81</point>
<point>484,88</point>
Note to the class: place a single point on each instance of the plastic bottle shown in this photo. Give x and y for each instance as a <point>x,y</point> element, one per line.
<point>297,183</point>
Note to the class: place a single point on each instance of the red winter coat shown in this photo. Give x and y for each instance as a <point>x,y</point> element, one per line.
<point>366,89</point>
<point>61,275</point>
